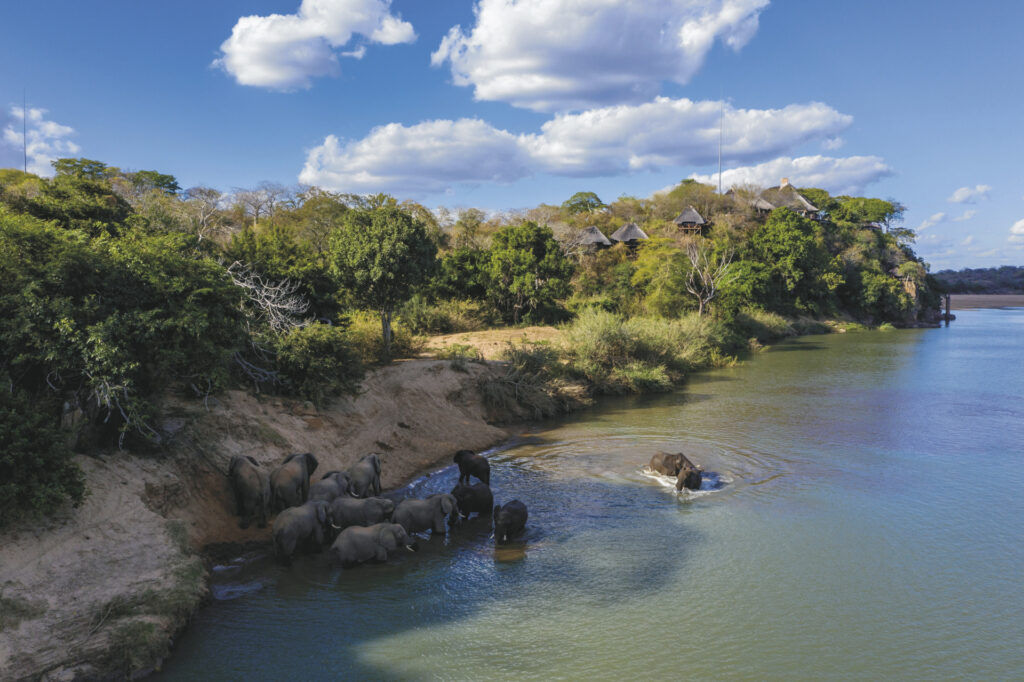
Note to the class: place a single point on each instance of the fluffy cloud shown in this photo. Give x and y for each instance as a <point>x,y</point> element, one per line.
<point>931,221</point>
<point>1017,231</point>
<point>286,51</point>
<point>46,139</point>
<point>965,216</point>
<point>969,195</point>
<point>610,141</point>
<point>558,55</point>
<point>968,240</point>
<point>838,176</point>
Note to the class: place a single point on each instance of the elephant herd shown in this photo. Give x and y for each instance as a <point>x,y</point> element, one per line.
<point>344,510</point>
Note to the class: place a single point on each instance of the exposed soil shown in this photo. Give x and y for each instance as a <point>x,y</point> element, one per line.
<point>101,590</point>
<point>490,342</point>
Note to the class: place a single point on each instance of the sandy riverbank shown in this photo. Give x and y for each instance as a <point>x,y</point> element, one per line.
<point>101,590</point>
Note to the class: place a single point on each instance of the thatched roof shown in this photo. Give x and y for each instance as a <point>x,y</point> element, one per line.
<point>592,235</point>
<point>628,233</point>
<point>761,205</point>
<point>787,196</point>
<point>689,217</point>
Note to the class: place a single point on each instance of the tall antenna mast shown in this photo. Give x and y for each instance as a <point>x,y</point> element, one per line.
<point>721,124</point>
<point>24,130</point>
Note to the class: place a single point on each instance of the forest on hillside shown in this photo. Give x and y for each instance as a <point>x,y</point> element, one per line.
<point>119,287</point>
<point>1008,279</point>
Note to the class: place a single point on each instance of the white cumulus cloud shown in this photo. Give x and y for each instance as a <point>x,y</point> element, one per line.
<point>931,221</point>
<point>969,195</point>
<point>46,141</point>
<point>558,55</point>
<point>286,51</point>
<point>1017,231</point>
<point>610,141</point>
<point>965,216</point>
<point>837,175</point>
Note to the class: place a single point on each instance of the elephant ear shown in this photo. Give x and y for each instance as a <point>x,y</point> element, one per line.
<point>321,513</point>
<point>388,537</point>
<point>311,463</point>
<point>447,505</point>
<point>497,508</point>
<point>376,464</point>
<point>253,460</point>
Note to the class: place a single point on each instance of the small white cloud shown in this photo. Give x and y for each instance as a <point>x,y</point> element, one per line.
<point>931,221</point>
<point>967,215</point>
<point>969,195</point>
<point>1017,231</point>
<point>968,241</point>
<point>46,141</point>
<point>286,51</point>
<point>559,55</point>
<point>833,143</point>
<point>840,176</point>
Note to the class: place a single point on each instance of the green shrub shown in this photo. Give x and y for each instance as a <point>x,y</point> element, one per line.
<point>364,335</point>
<point>318,362</point>
<point>37,473</point>
<point>443,317</point>
<point>529,381</point>
<point>762,325</point>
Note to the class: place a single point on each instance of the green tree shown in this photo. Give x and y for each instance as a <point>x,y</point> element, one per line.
<point>382,255</point>
<point>582,202</point>
<point>528,272</point>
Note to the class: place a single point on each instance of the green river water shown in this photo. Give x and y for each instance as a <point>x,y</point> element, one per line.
<point>862,518</point>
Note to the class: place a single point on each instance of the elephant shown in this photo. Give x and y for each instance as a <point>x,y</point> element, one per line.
<point>298,528</point>
<point>251,487</point>
<point>365,476</point>
<point>473,498</point>
<point>472,464</point>
<point>349,511</point>
<point>429,514</point>
<point>289,483</point>
<point>670,465</point>
<point>331,485</point>
<point>689,477</point>
<point>509,520</point>
<point>358,544</point>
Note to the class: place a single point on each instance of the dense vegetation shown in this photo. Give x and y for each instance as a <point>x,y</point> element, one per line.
<point>1007,279</point>
<point>119,288</point>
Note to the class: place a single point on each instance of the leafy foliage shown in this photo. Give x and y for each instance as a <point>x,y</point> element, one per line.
<point>317,362</point>
<point>528,273</point>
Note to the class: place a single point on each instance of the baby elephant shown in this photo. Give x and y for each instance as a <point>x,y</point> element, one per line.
<point>472,464</point>
<point>508,520</point>
<point>251,488</point>
<point>473,498</point>
<point>357,544</point>
<point>348,511</point>
<point>300,528</point>
<point>429,514</point>
<point>333,484</point>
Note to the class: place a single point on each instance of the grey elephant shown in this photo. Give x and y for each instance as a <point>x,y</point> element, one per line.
<point>300,528</point>
<point>251,487</point>
<point>429,514</point>
<point>331,485</point>
<point>473,498</point>
<point>472,464</point>
<point>349,511</point>
<point>358,544</point>
<point>289,483</point>
<point>689,477</point>
<point>365,477</point>
<point>670,464</point>
<point>509,520</point>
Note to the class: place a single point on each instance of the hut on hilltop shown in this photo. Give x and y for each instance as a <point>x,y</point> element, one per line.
<point>690,221</point>
<point>786,196</point>
<point>629,234</point>
<point>592,239</point>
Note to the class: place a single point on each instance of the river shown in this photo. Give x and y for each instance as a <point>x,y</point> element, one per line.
<point>862,518</point>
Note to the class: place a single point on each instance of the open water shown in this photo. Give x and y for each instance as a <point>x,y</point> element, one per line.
<point>862,518</point>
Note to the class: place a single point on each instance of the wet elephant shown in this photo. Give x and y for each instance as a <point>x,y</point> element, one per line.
<point>472,464</point>
<point>358,544</point>
<point>473,498</point>
<point>302,528</point>
<point>509,520</point>
<point>350,511</point>
<point>429,514</point>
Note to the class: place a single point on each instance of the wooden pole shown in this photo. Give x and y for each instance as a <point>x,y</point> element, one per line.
<point>947,309</point>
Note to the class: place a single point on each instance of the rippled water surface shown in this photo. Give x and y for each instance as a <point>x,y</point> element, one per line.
<point>861,517</point>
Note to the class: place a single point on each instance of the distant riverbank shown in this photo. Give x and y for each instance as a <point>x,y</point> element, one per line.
<point>968,301</point>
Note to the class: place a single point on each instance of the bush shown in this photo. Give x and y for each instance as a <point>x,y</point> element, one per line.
<point>764,326</point>
<point>530,382</point>
<point>444,317</point>
<point>317,362</point>
<point>37,473</point>
<point>364,335</point>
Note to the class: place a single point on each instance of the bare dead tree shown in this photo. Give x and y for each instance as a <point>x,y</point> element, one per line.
<point>261,201</point>
<point>202,207</point>
<point>276,303</point>
<point>707,272</point>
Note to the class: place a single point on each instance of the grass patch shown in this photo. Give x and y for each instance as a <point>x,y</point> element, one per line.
<point>364,333</point>
<point>445,317</point>
<point>459,355</point>
<point>531,382</point>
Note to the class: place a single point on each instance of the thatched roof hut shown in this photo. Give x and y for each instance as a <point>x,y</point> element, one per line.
<point>629,233</point>
<point>690,220</point>
<point>785,195</point>
<point>593,238</point>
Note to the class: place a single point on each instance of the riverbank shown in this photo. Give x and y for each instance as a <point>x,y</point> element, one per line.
<point>969,301</point>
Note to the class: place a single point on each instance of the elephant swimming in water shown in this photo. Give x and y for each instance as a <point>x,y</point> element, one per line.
<point>509,520</point>
<point>358,544</point>
<point>251,487</point>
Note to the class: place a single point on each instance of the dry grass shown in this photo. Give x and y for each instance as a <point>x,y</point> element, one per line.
<point>490,343</point>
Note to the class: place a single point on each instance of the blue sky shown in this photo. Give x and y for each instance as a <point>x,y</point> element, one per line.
<point>533,100</point>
